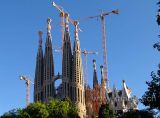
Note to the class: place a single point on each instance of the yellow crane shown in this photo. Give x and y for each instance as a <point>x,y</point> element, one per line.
<point>63,15</point>
<point>27,82</point>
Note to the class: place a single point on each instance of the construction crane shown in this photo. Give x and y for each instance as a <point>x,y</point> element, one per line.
<point>63,15</point>
<point>104,48</point>
<point>28,82</point>
<point>85,52</point>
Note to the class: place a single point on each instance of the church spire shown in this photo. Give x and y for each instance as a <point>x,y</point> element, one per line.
<point>49,37</point>
<point>102,77</point>
<point>103,86</point>
<point>39,71</point>
<point>67,22</point>
<point>48,86</point>
<point>49,25</point>
<point>66,61</point>
<point>76,41</point>
<point>95,80</point>
<point>78,80</point>
<point>40,38</point>
<point>77,61</point>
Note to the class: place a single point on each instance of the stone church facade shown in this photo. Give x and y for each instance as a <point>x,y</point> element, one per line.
<point>88,101</point>
<point>72,74</point>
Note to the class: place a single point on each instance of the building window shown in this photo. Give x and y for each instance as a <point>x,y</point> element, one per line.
<point>75,94</point>
<point>68,89</point>
<point>71,92</point>
<point>115,104</point>
<point>81,96</point>
<point>125,103</point>
<point>65,90</point>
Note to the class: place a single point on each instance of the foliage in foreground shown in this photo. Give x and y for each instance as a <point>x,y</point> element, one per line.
<point>54,109</point>
<point>151,97</point>
<point>105,112</point>
<point>138,114</point>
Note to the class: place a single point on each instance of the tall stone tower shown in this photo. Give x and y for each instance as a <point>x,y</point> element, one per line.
<point>38,81</point>
<point>66,61</point>
<point>78,81</point>
<point>95,79</point>
<point>48,86</point>
<point>103,86</point>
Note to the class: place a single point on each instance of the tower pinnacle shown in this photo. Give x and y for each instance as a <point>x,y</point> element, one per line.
<point>49,25</point>
<point>94,64</point>
<point>76,29</point>
<point>39,72</point>
<point>76,41</point>
<point>40,38</point>
<point>103,86</point>
<point>95,80</point>
<point>67,22</point>
<point>66,61</point>
<point>48,86</point>
<point>78,80</point>
<point>102,75</point>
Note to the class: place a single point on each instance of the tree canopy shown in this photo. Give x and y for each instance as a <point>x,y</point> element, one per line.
<point>137,114</point>
<point>105,112</point>
<point>151,97</point>
<point>54,109</point>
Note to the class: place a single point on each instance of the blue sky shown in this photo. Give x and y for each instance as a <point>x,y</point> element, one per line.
<point>130,36</point>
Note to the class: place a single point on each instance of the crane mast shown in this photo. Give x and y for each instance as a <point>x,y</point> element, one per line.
<point>104,48</point>
<point>63,16</point>
<point>27,82</point>
<point>85,52</point>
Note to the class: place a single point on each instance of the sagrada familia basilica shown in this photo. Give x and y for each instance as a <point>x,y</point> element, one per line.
<point>87,99</point>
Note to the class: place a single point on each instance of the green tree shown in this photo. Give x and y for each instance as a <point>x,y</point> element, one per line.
<point>105,112</point>
<point>54,109</point>
<point>157,45</point>
<point>73,111</point>
<point>57,109</point>
<point>151,97</point>
<point>15,113</point>
<point>35,110</point>
<point>62,109</point>
<point>138,114</point>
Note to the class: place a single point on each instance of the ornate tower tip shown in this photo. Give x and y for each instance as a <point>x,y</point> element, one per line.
<point>76,22</point>
<point>49,20</point>
<point>76,29</point>
<point>40,34</point>
<point>67,21</point>
<point>94,64</point>
<point>49,24</point>
<point>40,37</point>
<point>66,15</point>
<point>94,60</point>
<point>62,14</point>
